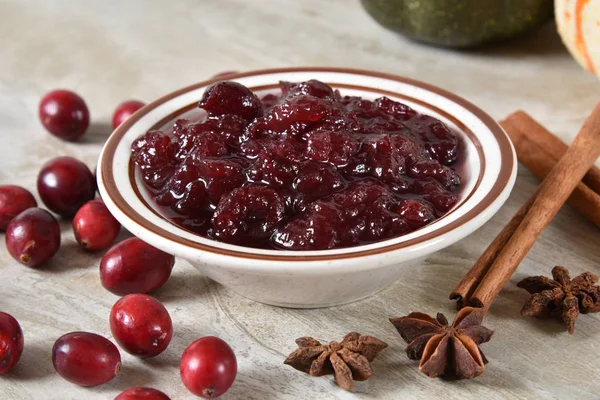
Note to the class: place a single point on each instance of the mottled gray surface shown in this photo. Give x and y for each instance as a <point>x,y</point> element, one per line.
<point>112,50</point>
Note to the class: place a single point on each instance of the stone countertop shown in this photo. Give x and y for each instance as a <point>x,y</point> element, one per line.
<point>109,51</point>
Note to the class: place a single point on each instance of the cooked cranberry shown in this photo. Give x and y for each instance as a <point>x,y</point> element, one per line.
<point>205,144</point>
<point>33,237</point>
<point>250,212</point>
<point>311,231</point>
<point>141,325</point>
<point>184,192</point>
<point>285,149</point>
<point>312,87</point>
<point>65,184</point>
<point>431,169</point>
<point>220,177</point>
<point>292,117</point>
<point>443,201</point>
<point>11,342</point>
<point>208,367</point>
<point>383,159</point>
<point>230,127</point>
<point>415,212</point>
<point>272,170</point>
<point>433,192</point>
<point>269,101</point>
<point>333,147</point>
<point>133,266</point>
<point>64,114</point>
<point>86,359</point>
<point>142,393</point>
<point>398,110</point>
<point>305,169</point>
<point>361,194</point>
<point>231,98</point>
<point>318,180</point>
<point>407,146</point>
<point>94,226</point>
<point>13,200</point>
<point>381,223</point>
<point>125,110</point>
<point>439,140</point>
<point>154,154</point>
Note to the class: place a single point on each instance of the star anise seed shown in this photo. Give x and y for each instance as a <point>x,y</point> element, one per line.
<point>450,351</point>
<point>348,360</point>
<point>561,297</point>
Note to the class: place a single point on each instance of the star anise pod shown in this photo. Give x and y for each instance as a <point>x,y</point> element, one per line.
<point>450,351</point>
<point>561,297</point>
<point>350,359</point>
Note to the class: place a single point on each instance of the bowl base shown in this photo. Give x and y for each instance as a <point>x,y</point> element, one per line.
<point>309,306</point>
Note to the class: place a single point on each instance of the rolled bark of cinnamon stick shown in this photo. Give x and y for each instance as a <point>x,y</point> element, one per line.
<point>468,284</point>
<point>550,196</point>
<point>538,161</point>
<point>551,145</point>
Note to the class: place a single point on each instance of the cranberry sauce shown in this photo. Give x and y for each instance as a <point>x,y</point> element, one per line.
<point>306,170</point>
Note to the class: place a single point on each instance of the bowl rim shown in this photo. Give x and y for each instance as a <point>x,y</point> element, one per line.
<point>494,197</point>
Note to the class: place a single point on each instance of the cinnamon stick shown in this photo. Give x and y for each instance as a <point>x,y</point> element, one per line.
<point>551,145</point>
<point>466,287</point>
<point>550,196</point>
<point>540,162</point>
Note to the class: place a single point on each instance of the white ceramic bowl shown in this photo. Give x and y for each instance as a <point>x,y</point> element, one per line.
<point>327,277</point>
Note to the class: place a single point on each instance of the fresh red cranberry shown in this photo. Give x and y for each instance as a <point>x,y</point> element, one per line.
<point>13,201</point>
<point>11,342</point>
<point>231,98</point>
<point>142,393</point>
<point>133,266</point>
<point>208,367</point>
<point>94,226</point>
<point>86,359</point>
<point>33,237</point>
<point>65,184</point>
<point>141,325</point>
<point>249,212</point>
<point>64,114</point>
<point>125,110</point>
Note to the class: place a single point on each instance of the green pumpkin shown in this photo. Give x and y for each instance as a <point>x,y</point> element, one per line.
<point>460,23</point>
